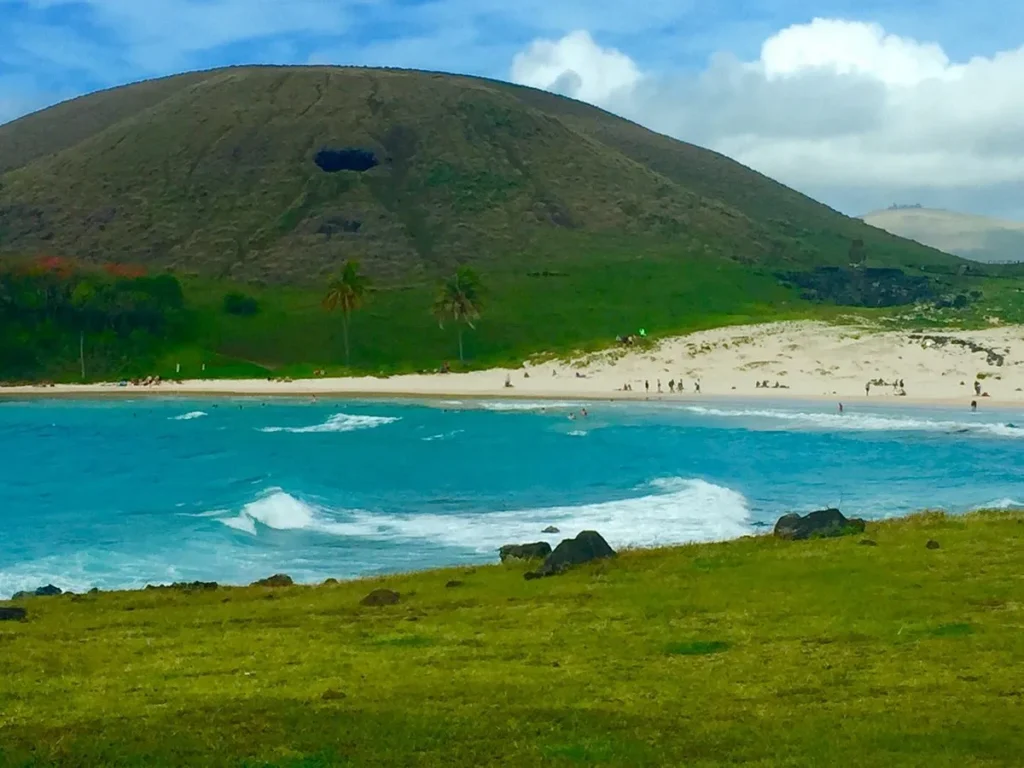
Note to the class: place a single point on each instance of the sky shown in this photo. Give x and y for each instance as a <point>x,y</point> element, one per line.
<point>858,103</point>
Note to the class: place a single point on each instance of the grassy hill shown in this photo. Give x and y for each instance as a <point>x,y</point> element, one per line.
<point>215,173</point>
<point>582,225</point>
<point>981,238</point>
<point>756,652</point>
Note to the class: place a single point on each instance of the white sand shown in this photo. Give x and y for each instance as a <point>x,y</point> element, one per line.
<point>809,360</point>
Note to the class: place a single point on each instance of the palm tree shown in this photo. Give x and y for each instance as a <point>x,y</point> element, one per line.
<point>347,292</point>
<point>459,300</point>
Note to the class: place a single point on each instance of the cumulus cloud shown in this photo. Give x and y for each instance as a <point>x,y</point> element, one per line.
<point>576,66</point>
<point>840,109</point>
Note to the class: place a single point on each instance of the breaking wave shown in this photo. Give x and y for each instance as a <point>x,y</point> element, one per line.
<point>855,422</point>
<point>189,416</point>
<point>530,405</point>
<point>667,511</point>
<point>339,422</point>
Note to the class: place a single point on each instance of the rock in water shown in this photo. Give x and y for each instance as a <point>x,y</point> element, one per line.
<point>823,523</point>
<point>277,580</point>
<point>536,551</point>
<point>12,613</point>
<point>380,597</point>
<point>587,546</point>
<point>551,529</point>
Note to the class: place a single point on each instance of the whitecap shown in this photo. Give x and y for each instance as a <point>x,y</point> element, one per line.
<point>859,422</point>
<point>339,422</point>
<point>528,405</point>
<point>442,436</point>
<point>189,416</point>
<point>578,433</point>
<point>1004,503</point>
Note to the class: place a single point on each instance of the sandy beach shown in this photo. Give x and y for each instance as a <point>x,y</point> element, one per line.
<point>805,360</point>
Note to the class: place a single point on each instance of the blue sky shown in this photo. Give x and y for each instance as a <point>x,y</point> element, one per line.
<point>55,49</point>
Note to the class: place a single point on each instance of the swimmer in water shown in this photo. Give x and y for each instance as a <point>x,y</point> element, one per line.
<point>840,408</point>
<point>974,405</point>
<point>584,413</point>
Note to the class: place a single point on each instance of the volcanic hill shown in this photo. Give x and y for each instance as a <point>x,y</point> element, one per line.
<point>279,174</point>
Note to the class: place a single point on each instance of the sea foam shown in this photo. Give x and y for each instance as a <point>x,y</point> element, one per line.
<point>859,422</point>
<point>339,422</point>
<point>510,406</point>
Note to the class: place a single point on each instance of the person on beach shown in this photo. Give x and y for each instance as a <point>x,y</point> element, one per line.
<point>696,387</point>
<point>867,389</point>
<point>659,386</point>
<point>672,386</point>
<point>647,385</point>
<point>977,388</point>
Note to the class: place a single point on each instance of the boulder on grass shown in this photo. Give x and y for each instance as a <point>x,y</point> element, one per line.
<point>536,551</point>
<point>277,580</point>
<point>587,546</point>
<point>823,523</point>
<point>12,613</point>
<point>48,591</point>
<point>380,597</point>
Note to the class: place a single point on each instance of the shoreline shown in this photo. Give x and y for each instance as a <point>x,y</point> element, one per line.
<point>188,392</point>
<point>763,531</point>
<point>796,360</point>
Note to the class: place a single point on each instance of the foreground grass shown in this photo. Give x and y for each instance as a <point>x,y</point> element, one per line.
<point>753,651</point>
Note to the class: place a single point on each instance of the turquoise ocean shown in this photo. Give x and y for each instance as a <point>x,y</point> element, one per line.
<point>122,493</point>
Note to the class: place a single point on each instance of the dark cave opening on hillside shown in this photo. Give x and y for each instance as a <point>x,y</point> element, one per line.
<point>349,159</point>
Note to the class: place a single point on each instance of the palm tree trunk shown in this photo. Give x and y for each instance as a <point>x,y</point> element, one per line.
<point>81,351</point>
<point>461,358</point>
<point>344,325</point>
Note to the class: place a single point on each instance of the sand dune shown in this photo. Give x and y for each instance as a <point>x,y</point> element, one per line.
<point>805,359</point>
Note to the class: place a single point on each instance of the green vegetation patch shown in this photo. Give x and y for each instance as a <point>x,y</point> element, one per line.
<point>897,659</point>
<point>697,648</point>
<point>952,630</point>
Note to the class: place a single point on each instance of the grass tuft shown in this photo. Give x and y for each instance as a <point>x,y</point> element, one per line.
<point>697,648</point>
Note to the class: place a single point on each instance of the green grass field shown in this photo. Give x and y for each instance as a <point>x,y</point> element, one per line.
<point>755,652</point>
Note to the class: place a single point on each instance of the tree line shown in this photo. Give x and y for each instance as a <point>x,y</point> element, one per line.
<point>50,307</point>
<point>459,300</point>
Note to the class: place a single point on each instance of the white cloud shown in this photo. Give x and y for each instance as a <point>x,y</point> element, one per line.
<point>850,48</point>
<point>840,109</point>
<point>576,66</point>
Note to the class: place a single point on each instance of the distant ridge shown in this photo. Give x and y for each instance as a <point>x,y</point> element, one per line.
<point>980,238</point>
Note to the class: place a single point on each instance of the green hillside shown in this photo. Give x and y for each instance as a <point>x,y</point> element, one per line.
<point>755,652</point>
<point>215,173</point>
<point>265,180</point>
